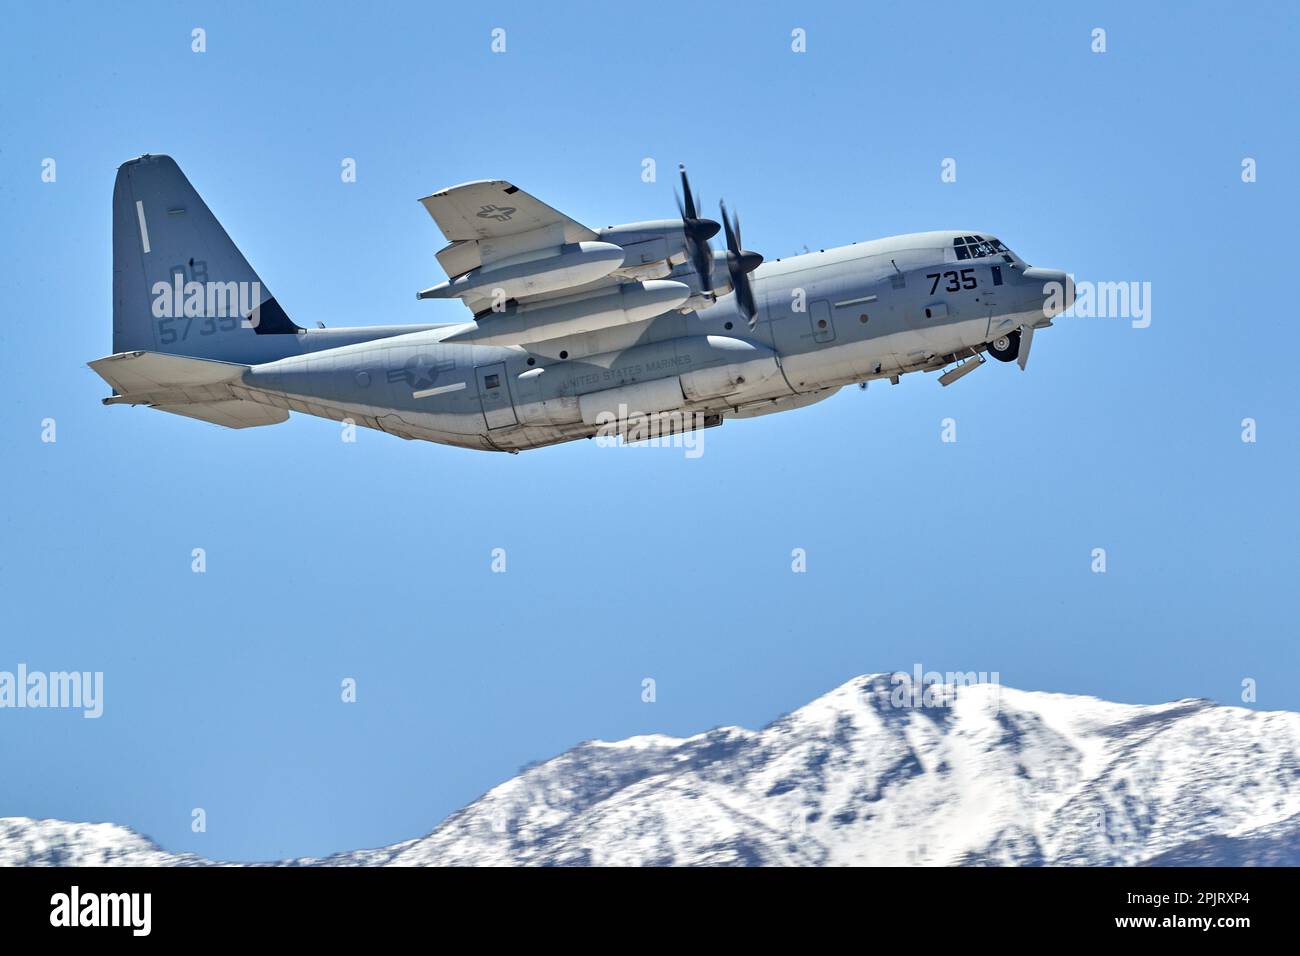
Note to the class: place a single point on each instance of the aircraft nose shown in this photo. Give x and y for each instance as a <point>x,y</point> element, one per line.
<point>1057,289</point>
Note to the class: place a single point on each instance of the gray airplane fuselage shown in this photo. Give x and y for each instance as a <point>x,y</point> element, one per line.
<point>871,310</point>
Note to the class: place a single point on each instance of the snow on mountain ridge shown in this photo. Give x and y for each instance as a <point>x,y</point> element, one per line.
<point>990,775</point>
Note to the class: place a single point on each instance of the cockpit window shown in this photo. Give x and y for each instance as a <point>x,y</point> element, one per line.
<point>977,247</point>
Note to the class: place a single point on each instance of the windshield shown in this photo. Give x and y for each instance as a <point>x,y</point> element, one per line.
<point>977,247</point>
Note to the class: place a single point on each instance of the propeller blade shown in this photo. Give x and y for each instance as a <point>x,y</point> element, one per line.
<point>745,302</point>
<point>735,224</point>
<point>701,229</point>
<point>739,265</point>
<point>702,261</point>
<point>697,233</point>
<point>689,211</point>
<point>1026,340</point>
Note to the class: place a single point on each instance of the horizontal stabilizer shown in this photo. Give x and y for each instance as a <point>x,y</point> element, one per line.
<point>195,388</point>
<point>131,372</point>
<point>235,413</point>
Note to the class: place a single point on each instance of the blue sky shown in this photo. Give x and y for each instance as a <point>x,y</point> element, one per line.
<point>328,560</point>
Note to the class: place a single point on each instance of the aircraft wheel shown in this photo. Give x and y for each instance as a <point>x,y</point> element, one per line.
<point>1005,348</point>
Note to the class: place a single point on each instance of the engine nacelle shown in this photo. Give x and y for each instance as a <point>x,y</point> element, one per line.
<point>720,286</point>
<point>650,249</point>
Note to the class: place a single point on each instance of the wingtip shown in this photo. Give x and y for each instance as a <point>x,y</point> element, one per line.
<point>506,185</point>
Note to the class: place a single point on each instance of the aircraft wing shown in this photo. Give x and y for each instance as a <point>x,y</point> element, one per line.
<point>529,273</point>
<point>492,208</point>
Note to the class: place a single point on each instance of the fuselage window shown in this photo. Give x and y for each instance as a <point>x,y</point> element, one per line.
<point>997,275</point>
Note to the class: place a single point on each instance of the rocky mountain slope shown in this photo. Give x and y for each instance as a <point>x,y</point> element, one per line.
<point>862,775</point>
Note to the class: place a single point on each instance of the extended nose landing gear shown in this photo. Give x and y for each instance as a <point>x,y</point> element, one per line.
<point>1005,348</point>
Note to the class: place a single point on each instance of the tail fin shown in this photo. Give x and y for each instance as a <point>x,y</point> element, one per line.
<point>180,285</point>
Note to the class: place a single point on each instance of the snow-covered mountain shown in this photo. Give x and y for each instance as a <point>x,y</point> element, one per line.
<point>863,775</point>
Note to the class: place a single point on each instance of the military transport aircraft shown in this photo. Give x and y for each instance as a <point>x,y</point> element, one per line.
<point>577,332</point>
